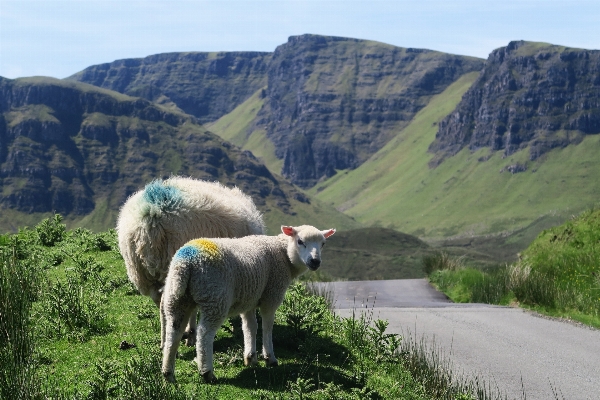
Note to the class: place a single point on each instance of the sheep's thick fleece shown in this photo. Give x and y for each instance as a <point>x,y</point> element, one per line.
<point>159,219</point>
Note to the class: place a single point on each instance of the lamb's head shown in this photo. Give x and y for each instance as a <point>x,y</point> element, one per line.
<point>305,244</point>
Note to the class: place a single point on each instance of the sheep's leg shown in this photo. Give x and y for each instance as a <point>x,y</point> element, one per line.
<point>173,319</point>
<point>205,337</point>
<point>268,318</point>
<point>249,327</point>
<point>190,330</point>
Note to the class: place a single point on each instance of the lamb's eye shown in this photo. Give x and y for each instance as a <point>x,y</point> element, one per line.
<point>301,243</point>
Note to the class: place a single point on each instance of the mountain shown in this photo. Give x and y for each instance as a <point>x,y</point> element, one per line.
<point>529,95</point>
<point>325,103</point>
<point>80,150</point>
<point>205,85</point>
<point>482,190</point>
<point>332,102</point>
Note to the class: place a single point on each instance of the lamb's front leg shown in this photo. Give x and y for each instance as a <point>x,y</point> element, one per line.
<point>249,327</point>
<point>268,319</point>
<point>190,330</point>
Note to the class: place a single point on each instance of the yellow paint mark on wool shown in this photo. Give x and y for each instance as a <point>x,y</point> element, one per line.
<point>210,250</point>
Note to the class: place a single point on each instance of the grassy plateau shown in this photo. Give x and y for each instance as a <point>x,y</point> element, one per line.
<point>73,327</point>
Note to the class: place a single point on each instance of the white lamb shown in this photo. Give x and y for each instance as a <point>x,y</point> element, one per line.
<point>159,219</point>
<point>225,277</point>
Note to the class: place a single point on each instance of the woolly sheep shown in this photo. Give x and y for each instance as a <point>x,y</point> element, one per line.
<point>225,277</point>
<point>156,221</point>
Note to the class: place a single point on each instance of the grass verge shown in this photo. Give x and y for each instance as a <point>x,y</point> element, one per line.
<point>557,275</point>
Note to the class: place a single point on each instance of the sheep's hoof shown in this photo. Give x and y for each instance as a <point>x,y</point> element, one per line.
<point>252,359</point>
<point>169,376</point>
<point>209,377</point>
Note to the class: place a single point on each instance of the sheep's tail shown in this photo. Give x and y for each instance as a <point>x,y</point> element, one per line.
<point>158,197</point>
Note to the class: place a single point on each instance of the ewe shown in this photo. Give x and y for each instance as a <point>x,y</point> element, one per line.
<point>225,277</point>
<point>158,220</point>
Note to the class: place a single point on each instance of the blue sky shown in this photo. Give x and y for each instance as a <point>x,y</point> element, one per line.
<point>60,38</point>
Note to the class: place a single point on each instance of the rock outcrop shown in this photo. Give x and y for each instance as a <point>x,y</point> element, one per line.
<point>529,95</point>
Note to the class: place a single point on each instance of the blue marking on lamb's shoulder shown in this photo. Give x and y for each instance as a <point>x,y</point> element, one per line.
<point>167,198</point>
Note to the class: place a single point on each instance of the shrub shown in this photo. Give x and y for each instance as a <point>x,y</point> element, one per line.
<point>51,231</point>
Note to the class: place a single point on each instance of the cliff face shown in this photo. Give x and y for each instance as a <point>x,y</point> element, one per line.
<point>332,102</point>
<point>67,147</point>
<point>205,85</point>
<point>532,95</point>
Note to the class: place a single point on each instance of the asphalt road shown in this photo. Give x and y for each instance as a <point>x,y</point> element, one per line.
<point>510,348</point>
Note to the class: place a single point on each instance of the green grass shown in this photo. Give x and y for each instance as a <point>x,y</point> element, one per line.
<point>463,196</point>
<point>558,274</point>
<point>236,127</point>
<point>84,333</point>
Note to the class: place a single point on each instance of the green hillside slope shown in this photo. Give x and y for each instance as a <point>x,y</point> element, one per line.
<point>464,195</point>
<point>237,127</point>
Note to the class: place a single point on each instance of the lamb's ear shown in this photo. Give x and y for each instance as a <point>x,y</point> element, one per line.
<point>288,230</point>
<point>328,233</point>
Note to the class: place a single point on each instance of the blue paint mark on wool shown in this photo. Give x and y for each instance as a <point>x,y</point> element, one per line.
<point>167,198</point>
<point>187,252</point>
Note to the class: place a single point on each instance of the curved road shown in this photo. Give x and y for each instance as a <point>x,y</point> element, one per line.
<point>508,347</point>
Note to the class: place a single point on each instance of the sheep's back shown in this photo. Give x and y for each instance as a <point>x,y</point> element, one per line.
<point>158,220</point>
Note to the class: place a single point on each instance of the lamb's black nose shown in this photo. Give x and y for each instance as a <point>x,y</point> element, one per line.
<point>314,263</point>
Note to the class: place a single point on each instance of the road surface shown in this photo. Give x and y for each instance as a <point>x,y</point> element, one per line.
<point>508,347</point>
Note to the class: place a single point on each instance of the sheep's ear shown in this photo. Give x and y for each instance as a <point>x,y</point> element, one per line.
<point>328,233</point>
<point>288,230</point>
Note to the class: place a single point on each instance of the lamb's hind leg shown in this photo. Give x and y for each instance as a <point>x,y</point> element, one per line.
<point>205,337</point>
<point>249,327</point>
<point>173,320</point>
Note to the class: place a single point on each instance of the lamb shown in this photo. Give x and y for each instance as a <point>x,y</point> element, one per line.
<point>156,221</point>
<point>225,277</point>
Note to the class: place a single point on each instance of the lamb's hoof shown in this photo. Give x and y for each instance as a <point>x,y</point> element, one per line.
<point>209,377</point>
<point>252,359</point>
<point>169,376</point>
<point>271,363</point>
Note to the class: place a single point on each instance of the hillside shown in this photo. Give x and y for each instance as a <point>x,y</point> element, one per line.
<point>471,193</point>
<point>79,150</point>
<point>205,85</point>
<point>320,103</point>
<point>534,96</point>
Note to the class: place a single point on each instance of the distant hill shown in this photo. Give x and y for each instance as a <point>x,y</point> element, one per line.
<point>529,95</point>
<point>326,103</point>
<point>205,85</point>
<point>80,150</point>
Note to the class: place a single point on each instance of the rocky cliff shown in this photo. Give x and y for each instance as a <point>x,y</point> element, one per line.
<point>69,147</point>
<point>205,85</point>
<point>332,102</point>
<point>529,95</point>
